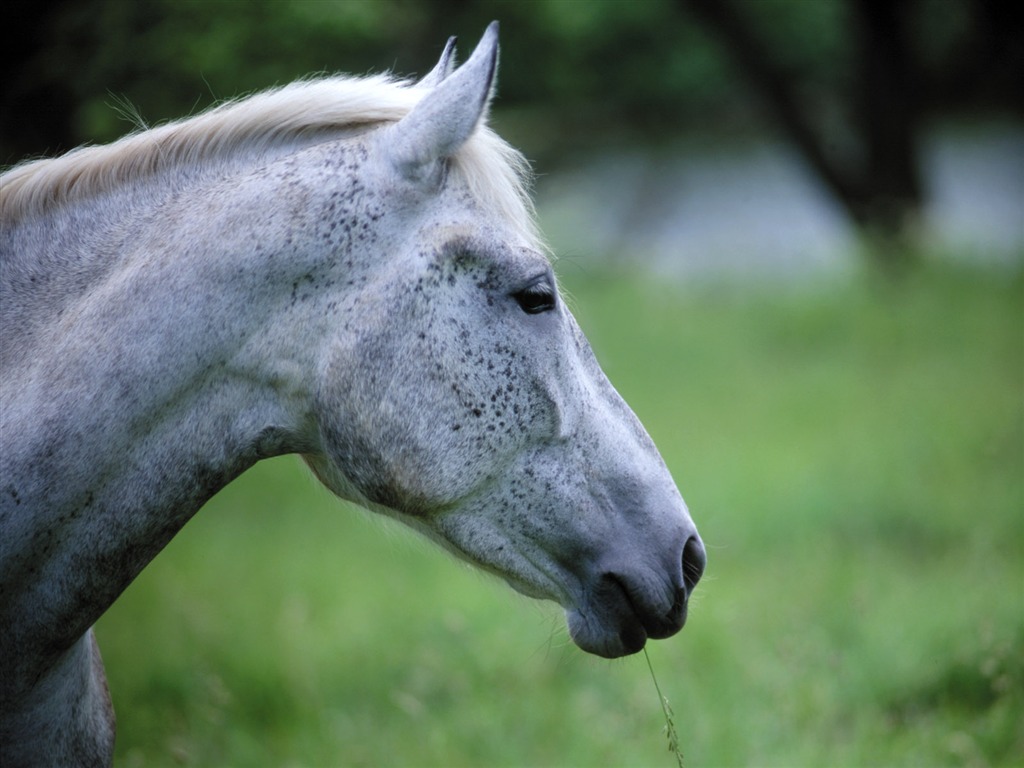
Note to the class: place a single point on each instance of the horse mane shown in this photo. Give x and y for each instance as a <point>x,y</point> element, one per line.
<point>496,172</point>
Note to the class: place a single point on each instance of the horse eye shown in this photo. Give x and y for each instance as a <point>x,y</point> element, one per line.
<point>537,297</point>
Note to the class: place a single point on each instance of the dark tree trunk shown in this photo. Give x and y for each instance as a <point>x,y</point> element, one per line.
<point>888,116</point>
<point>880,189</point>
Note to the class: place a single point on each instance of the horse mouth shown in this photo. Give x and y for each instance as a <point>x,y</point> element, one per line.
<point>620,615</point>
<point>612,624</point>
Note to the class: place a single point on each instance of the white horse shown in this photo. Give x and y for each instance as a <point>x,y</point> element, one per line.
<point>346,269</point>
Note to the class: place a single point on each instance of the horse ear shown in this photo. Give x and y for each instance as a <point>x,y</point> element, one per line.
<point>447,116</point>
<point>443,68</point>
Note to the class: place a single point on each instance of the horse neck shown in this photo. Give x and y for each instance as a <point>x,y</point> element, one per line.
<point>183,360</point>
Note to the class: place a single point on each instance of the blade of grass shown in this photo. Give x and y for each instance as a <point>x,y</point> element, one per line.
<point>666,709</point>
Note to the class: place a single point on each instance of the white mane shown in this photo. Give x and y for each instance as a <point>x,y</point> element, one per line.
<point>497,173</point>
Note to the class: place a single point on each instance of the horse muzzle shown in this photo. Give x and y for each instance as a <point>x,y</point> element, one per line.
<point>623,608</point>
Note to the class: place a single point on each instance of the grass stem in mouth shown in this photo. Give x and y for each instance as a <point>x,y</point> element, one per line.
<point>666,708</point>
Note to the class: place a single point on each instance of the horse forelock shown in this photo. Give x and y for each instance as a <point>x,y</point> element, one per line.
<point>495,172</point>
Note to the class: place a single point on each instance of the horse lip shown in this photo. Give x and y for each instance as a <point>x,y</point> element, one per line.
<point>656,626</point>
<point>617,622</point>
<point>601,639</point>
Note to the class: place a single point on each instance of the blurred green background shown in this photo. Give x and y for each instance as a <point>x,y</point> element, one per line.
<point>792,231</point>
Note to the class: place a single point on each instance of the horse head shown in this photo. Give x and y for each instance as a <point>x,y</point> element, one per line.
<point>458,394</point>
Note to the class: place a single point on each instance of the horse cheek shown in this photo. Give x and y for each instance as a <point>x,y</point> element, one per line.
<point>374,426</point>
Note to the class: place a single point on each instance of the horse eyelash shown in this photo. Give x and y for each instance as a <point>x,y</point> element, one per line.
<point>536,298</point>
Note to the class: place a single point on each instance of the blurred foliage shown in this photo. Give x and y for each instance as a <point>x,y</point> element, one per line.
<point>852,84</point>
<point>574,72</point>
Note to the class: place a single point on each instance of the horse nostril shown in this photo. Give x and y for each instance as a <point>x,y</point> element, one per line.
<point>694,560</point>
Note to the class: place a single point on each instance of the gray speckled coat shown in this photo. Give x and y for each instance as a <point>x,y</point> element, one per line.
<point>363,288</point>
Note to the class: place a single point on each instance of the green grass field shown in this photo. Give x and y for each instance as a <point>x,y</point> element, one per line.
<point>854,458</point>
